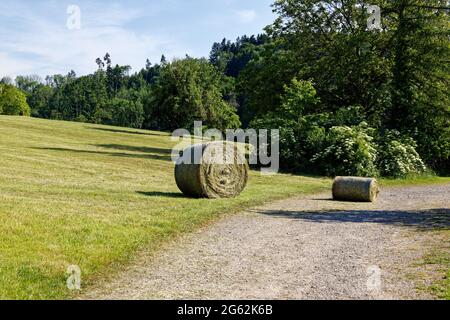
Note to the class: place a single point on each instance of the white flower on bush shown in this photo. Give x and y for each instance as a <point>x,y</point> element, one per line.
<point>349,151</point>
<point>398,156</point>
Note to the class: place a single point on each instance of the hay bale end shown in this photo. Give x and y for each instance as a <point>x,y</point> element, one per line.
<point>212,170</point>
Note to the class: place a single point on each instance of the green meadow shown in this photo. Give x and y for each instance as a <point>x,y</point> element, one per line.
<point>95,196</point>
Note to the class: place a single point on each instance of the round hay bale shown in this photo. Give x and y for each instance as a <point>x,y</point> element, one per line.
<point>355,189</point>
<point>212,170</point>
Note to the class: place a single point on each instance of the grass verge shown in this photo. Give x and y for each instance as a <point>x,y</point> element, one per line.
<point>415,180</point>
<point>438,260</point>
<point>94,196</point>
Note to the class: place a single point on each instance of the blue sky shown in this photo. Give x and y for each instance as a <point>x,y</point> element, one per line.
<point>35,39</point>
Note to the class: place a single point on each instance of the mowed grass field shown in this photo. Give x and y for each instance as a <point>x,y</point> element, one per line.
<point>94,196</point>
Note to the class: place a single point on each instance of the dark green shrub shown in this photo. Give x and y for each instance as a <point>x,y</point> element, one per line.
<point>127,113</point>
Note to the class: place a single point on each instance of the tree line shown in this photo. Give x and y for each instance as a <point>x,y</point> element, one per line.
<point>346,100</point>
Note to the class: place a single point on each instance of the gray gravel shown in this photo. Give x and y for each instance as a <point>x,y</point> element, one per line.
<point>303,248</point>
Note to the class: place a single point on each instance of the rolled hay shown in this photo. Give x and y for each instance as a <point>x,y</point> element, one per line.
<point>355,189</point>
<point>212,170</point>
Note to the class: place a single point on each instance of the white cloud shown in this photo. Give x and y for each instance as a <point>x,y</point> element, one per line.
<point>34,37</point>
<point>246,16</point>
<point>10,66</point>
<point>46,46</point>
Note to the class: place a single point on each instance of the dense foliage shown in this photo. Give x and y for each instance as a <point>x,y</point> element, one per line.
<point>398,156</point>
<point>398,77</point>
<point>347,100</point>
<point>13,101</point>
<point>188,90</point>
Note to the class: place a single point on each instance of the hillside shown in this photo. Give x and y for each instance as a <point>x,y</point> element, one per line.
<point>93,196</point>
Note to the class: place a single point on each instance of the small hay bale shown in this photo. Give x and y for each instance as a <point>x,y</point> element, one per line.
<point>355,189</point>
<point>212,170</point>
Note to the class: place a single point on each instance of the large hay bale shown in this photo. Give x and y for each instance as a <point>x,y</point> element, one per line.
<point>212,170</point>
<point>355,189</point>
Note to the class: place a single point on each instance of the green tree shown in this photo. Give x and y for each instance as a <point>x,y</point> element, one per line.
<point>13,101</point>
<point>301,135</point>
<point>126,113</point>
<point>79,99</point>
<point>39,99</point>
<point>325,41</point>
<point>28,83</point>
<point>232,57</point>
<point>188,90</point>
<point>126,109</point>
<point>421,76</point>
<point>299,98</point>
<point>262,81</point>
<point>6,80</point>
<point>398,77</point>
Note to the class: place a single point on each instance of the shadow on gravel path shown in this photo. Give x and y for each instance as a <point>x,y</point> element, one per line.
<point>421,219</point>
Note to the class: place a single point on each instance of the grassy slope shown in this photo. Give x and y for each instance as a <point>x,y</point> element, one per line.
<point>93,196</point>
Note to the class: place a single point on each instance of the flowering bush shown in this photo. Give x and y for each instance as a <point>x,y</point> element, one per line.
<point>348,151</point>
<point>335,144</point>
<point>398,156</point>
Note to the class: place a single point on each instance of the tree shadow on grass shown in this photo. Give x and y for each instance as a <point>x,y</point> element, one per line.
<point>162,151</point>
<point>162,157</point>
<point>162,194</point>
<point>433,219</point>
<point>129,132</point>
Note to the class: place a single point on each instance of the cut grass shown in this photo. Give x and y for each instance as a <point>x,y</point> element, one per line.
<point>442,287</point>
<point>94,196</point>
<point>440,260</point>
<point>415,180</point>
<point>438,281</point>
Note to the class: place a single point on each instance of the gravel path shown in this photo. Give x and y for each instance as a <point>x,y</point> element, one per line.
<point>303,248</point>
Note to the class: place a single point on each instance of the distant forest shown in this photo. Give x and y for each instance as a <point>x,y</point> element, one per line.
<point>347,100</point>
